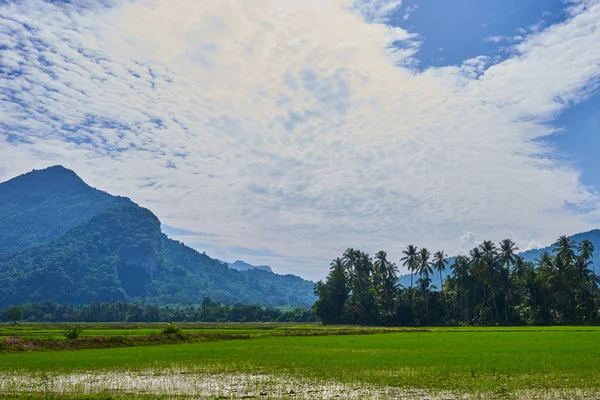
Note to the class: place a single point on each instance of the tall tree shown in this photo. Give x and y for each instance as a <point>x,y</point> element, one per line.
<point>15,314</point>
<point>565,249</point>
<point>386,274</point>
<point>519,265</point>
<point>410,260</point>
<point>440,263</point>
<point>332,294</point>
<point>423,264</point>
<point>507,253</point>
<point>462,274</point>
<point>423,287</point>
<point>586,251</point>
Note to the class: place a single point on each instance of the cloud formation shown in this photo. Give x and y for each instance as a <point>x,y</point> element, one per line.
<point>296,128</point>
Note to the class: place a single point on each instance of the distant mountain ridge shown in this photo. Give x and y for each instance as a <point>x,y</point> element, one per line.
<point>244,266</point>
<point>63,240</point>
<point>593,236</point>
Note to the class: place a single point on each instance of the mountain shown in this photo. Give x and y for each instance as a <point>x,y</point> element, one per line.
<point>244,266</point>
<point>529,256</point>
<point>43,204</point>
<point>106,248</point>
<point>593,236</point>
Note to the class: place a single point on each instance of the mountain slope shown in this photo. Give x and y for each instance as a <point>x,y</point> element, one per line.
<point>43,204</point>
<point>113,253</point>
<point>593,236</point>
<point>121,254</point>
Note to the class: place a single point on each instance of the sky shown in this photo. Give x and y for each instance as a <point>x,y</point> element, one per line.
<point>283,132</point>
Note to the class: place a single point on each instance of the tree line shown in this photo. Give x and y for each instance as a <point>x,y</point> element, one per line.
<point>489,286</point>
<point>116,311</point>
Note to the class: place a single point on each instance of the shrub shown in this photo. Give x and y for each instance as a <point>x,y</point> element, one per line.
<point>72,332</point>
<point>15,314</point>
<point>170,329</point>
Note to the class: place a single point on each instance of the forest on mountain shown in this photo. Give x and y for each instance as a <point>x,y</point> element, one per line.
<point>492,285</point>
<point>121,254</point>
<point>64,241</point>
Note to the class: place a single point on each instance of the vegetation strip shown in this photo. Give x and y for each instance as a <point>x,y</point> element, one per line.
<point>171,334</point>
<point>491,286</point>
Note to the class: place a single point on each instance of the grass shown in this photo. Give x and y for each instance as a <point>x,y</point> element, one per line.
<point>55,330</point>
<point>487,360</point>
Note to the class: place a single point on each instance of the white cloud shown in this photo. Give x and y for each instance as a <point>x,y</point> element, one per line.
<point>409,11</point>
<point>467,242</point>
<point>496,39</point>
<point>289,127</point>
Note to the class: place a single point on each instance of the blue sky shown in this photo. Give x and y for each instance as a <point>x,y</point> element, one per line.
<point>282,132</point>
<point>455,31</point>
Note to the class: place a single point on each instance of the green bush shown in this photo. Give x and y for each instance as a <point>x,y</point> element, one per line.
<point>72,332</point>
<point>170,329</point>
<point>15,314</point>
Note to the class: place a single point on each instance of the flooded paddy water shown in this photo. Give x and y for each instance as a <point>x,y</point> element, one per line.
<point>182,383</point>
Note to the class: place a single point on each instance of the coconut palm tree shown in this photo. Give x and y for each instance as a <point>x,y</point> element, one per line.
<point>460,272</point>
<point>507,252</point>
<point>565,249</point>
<point>519,265</point>
<point>423,287</point>
<point>561,281</point>
<point>350,258</point>
<point>380,268</point>
<point>440,263</point>
<point>586,251</point>
<point>488,248</point>
<point>410,260</point>
<point>423,263</point>
<point>386,275</point>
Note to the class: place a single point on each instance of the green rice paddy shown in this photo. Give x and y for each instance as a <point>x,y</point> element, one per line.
<point>488,362</point>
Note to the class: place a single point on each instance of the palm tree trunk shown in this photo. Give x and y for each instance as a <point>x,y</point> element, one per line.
<point>495,305</point>
<point>427,308</point>
<point>441,283</point>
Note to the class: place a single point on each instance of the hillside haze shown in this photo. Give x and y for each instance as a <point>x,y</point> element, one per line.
<point>244,266</point>
<point>65,241</point>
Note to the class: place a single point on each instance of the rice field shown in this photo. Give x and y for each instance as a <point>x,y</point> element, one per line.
<point>322,362</point>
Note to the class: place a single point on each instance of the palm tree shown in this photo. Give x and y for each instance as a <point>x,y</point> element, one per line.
<point>439,263</point>
<point>410,260</point>
<point>380,267</point>
<point>460,272</point>
<point>386,275</point>
<point>565,249</point>
<point>561,280</point>
<point>423,264</point>
<point>507,252</point>
<point>586,251</point>
<point>488,248</point>
<point>423,287</point>
<point>506,258</point>
<point>350,258</point>
<point>519,264</point>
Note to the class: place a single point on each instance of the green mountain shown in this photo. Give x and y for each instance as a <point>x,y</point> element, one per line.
<point>43,204</point>
<point>593,236</point>
<point>105,248</point>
